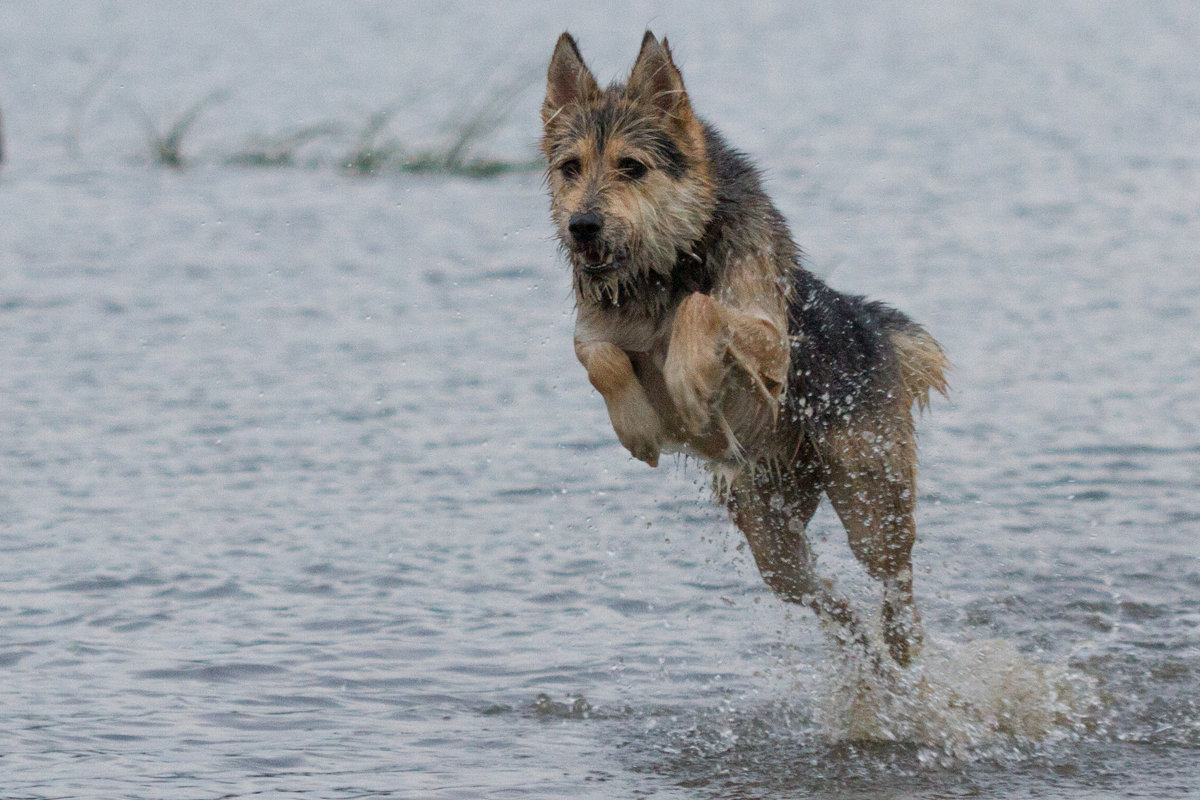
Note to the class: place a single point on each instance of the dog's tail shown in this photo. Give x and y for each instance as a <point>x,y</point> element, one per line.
<point>923,363</point>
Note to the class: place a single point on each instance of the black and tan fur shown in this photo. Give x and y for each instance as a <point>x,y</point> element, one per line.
<point>704,334</point>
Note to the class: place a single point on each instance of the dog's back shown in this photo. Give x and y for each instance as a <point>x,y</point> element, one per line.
<point>849,356</point>
<point>852,356</point>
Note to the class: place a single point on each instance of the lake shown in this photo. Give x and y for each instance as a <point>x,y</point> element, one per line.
<point>303,493</point>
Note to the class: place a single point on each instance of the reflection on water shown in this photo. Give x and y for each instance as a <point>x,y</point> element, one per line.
<point>302,491</point>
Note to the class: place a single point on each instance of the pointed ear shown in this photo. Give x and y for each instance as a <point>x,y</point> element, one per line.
<point>568,80</point>
<point>656,80</point>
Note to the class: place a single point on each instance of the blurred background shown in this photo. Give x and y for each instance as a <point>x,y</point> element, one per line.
<point>302,490</point>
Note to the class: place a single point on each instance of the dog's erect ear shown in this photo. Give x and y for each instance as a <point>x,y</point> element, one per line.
<point>568,80</point>
<point>656,80</point>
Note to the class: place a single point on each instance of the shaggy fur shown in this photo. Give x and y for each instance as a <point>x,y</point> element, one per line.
<point>704,335</point>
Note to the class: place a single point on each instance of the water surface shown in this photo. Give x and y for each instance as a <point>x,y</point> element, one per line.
<point>303,493</point>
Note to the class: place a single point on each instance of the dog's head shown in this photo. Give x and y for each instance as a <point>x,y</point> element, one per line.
<point>629,179</point>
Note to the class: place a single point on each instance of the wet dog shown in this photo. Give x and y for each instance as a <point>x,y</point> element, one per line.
<point>705,335</point>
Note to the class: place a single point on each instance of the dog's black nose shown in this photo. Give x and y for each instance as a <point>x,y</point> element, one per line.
<point>585,227</point>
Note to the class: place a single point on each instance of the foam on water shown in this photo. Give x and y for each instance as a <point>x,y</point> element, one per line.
<point>959,700</point>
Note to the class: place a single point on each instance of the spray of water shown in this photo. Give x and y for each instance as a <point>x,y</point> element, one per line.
<point>957,700</point>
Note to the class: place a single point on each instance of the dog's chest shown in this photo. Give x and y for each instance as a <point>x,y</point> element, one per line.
<point>633,333</point>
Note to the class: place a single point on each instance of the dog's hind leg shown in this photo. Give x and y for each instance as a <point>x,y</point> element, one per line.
<point>772,510</point>
<point>874,493</point>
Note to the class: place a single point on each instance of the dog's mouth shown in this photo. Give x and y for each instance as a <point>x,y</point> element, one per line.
<point>599,267</point>
<point>599,262</point>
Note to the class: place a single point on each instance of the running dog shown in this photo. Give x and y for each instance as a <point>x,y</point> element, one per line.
<point>705,335</point>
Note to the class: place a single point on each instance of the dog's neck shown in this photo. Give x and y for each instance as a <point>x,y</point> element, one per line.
<point>653,293</point>
<point>691,273</point>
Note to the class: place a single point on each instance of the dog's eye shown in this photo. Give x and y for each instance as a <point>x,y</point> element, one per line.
<point>570,168</point>
<point>631,168</point>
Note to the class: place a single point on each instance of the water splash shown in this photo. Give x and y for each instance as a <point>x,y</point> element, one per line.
<point>957,700</point>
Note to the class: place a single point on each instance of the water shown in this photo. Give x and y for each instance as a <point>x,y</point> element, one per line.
<point>302,492</point>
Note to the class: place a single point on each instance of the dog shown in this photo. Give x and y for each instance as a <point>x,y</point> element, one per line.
<point>705,335</point>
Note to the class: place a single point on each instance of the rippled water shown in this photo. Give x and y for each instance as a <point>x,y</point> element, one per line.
<point>302,492</point>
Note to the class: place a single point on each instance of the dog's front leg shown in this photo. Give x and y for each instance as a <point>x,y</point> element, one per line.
<point>706,339</point>
<point>695,366</point>
<point>637,424</point>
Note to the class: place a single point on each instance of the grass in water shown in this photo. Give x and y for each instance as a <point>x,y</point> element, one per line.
<point>81,104</point>
<point>281,150</point>
<point>368,155</point>
<point>465,128</point>
<point>166,149</point>
<point>371,152</point>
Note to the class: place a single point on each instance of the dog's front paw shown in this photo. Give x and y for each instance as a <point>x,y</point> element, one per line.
<point>637,425</point>
<point>642,447</point>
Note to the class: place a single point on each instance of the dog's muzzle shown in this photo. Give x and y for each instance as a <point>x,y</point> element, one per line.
<point>585,229</point>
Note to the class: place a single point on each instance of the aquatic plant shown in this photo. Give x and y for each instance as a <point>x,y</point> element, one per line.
<point>167,149</point>
<point>466,126</point>
<point>368,156</point>
<point>280,150</point>
<point>81,104</point>
<point>370,151</point>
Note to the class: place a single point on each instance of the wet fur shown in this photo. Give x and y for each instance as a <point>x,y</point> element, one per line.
<point>704,334</point>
